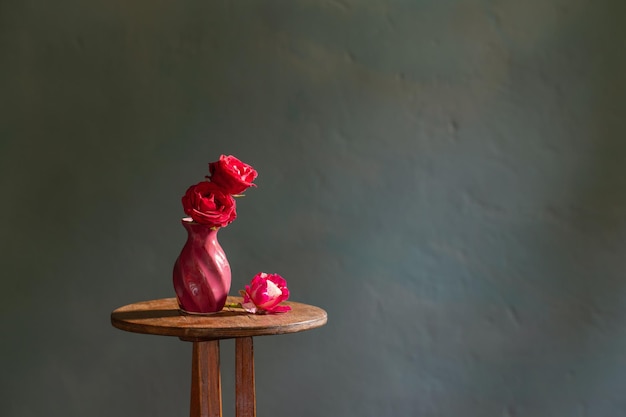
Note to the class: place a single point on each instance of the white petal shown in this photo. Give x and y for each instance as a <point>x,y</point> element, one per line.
<point>272,290</point>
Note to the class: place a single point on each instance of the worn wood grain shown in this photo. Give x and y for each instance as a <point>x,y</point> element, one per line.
<point>244,378</point>
<point>206,382</point>
<point>162,317</point>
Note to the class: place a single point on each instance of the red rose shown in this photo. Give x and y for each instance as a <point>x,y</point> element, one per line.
<point>232,175</point>
<point>265,293</point>
<point>207,203</point>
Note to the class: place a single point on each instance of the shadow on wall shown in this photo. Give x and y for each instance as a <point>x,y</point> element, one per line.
<point>596,214</point>
<point>569,293</point>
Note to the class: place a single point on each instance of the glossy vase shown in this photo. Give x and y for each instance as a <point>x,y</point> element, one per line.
<point>201,273</point>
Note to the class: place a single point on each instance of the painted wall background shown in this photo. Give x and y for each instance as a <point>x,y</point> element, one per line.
<point>446,178</point>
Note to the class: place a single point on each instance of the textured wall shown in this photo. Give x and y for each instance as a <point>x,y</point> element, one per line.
<point>446,178</point>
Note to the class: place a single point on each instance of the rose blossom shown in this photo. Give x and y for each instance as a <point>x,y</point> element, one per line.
<point>232,175</point>
<point>264,294</point>
<point>207,203</point>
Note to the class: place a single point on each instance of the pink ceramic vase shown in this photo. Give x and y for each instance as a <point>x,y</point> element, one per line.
<point>201,272</point>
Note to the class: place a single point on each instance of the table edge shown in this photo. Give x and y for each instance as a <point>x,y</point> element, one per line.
<point>204,333</point>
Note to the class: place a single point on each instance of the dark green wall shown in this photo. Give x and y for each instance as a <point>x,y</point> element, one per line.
<point>446,178</point>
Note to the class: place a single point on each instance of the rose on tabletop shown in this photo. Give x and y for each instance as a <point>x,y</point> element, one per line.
<point>265,293</point>
<point>232,175</point>
<point>207,203</point>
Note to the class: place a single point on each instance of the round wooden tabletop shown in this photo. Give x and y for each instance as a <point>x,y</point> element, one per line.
<point>163,317</point>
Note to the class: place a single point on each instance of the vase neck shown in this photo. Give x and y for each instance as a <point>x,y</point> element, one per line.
<point>200,231</point>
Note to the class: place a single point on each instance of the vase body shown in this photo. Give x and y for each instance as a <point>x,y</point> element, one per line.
<point>201,274</point>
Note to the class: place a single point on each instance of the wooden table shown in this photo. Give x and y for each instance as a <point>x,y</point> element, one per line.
<point>162,317</point>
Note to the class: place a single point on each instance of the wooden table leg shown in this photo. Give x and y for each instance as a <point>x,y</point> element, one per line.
<point>244,378</point>
<point>206,385</point>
